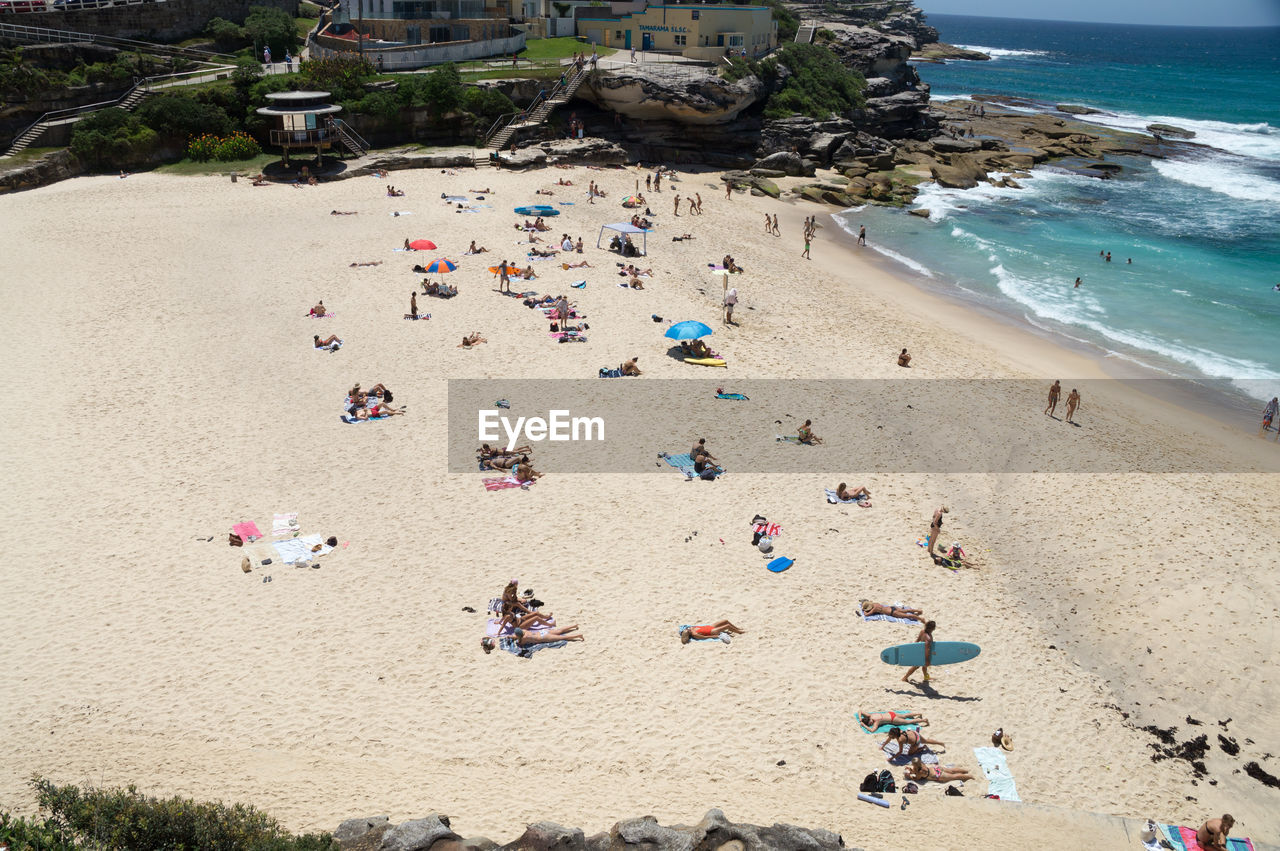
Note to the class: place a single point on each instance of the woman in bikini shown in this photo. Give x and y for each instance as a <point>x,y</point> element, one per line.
<point>511,600</point>
<point>909,741</point>
<point>324,344</point>
<point>875,720</point>
<point>860,493</point>
<point>870,608</point>
<point>940,773</point>
<point>714,630</point>
<point>544,636</point>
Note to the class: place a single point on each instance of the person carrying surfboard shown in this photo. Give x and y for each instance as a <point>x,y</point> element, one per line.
<point>925,637</point>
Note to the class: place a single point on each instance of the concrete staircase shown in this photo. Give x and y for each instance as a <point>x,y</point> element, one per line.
<point>349,138</point>
<point>804,33</point>
<point>29,137</point>
<point>538,111</point>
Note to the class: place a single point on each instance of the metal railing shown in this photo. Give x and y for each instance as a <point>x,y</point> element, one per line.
<point>353,140</point>
<point>21,32</point>
<point>146,83</point>
<point>287,138</point>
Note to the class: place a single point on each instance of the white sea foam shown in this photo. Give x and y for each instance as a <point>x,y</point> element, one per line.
<point>1250,140</point>
<point>1220,176</point>
<point>1002,52</point>
<point>1046,301</point>
<point>904,260</point>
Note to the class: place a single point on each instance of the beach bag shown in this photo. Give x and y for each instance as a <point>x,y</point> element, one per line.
<point>870,784</point>
<point>235,540</point>
<point>884,782</point>
<point>387,397</point>
<point>765,544</point>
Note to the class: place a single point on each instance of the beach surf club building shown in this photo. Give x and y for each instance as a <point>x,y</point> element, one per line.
<point>695,31</point>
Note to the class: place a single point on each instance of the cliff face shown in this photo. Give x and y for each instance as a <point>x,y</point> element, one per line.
<point>684,94</point>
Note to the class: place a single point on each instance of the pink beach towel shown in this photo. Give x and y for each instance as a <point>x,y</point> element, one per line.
<point>770,529</point>
<point>500,483</point>
<point>247,531</point>
<point>326,316</point>
<point>1188,835</point>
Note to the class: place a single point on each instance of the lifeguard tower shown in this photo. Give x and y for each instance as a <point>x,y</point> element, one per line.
<point>305,120</point>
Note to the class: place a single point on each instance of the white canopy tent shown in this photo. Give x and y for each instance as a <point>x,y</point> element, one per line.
<point>626,228</point>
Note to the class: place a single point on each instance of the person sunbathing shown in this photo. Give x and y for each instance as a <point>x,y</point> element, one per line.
<point>485,191</point>
<point>630,269</point>
<point>904,359</point>
<point>342,213</point>
<point>379,390</point>
<point>875,720</point>
<point>503,462</point>
<point>324,344</point>
<point>954,558</point>
<point>629,367</point>
<point>319,309</point>
<point>563,182</point>
<point>909,741</point>
<point>543,252</point>
<point>544,192</point>
<point>370,263</point>
<point>260,180</point>
<point>487,451</point>
<point>474,250</point>
<point>703,464</point>
<point>528,639</point>
<point>392,192</point>
<point>516,620</point>
<point>430,287</point>
<point>524,471</point>
<point>871,608</point>
<point>806,435</point>
<point>511,599</point>
<point>527,273</point>
<point>474,340</point>
<point>940,773</point>
<point>699,349</point>
<point>859,493</point>
<point>715,630</point>
<point>582,264</point>
<point>636,284</point>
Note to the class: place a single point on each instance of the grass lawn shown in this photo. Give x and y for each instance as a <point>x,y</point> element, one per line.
<point>26,155</point>
<point>559,48</point>
<point>303,26</point>
<point>505,73</point>
<point>195,169</point>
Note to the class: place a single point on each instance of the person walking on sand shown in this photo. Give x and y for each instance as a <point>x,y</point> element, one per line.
<point>728,190</point>
<point>1054,392</point>
<point>677,205</point>
<point>1073,402</point>
<point>925,637</point>
<point>776,231</point>
<point>1212,835</point>
<point>862,235</point>
<point>697,205</point>
<point>935,527</point>
<point>1268,413</point>
<point>768,224</point>
<point>805,253</point>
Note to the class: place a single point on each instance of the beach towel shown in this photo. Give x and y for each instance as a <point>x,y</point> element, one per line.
<point>509,644</point>
<point>579,285</point>
<point>773,530</point>
<point>889,618</point>
<point>299,549</point>
<point>884,729</point>
<point>284,525</point>
<point>326,316</point>
<point>1185,838</point>
<point>693,639</point>
<point>495,606</point>
<point>610,373</point>
<point>419,316</point>
<point>500,483</point>
<point>350,420</point>
<point>401,213</point>
<point>737,397</point>
<point>332,347</point>
<point>897,754</point>
<point>678,460</point>
<point>788,438</point>
<point>247,531</point>
<point>835,500</point>
<point>999,780</point>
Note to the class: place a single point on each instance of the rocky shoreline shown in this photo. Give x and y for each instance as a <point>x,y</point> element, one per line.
<point>713,833</point>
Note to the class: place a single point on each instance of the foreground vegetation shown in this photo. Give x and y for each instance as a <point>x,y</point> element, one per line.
<point>72,818</point>
<point>816,84</point>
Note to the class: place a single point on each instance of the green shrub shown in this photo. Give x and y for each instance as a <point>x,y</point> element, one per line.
<point>818,84</point>
<point>737,68</point>
<point>442,89</point>
<point>180,116</point>
<point>824,34</point>
<point>271,27</point>
<point>343,75</point>
<point>226,34</point>
<point>486,103</point>
<point>112,138</point>
<point>130,821</point>
<point>237,146</point>
<point>788,23</point>
<point>202,148</point>
<point>21,834</point>
<point>381,104</point>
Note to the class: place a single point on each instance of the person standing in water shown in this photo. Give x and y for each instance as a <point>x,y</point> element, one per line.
<point>862,235</point>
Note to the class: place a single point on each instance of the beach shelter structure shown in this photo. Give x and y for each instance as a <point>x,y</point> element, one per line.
<point>626,228</point>
<point>303,120</point>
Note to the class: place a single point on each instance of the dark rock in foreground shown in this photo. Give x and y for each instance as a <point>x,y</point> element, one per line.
<point>714,832</point>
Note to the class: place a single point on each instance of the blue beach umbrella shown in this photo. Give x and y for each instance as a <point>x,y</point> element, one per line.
<point>440,266</point>
<point>688,330</point>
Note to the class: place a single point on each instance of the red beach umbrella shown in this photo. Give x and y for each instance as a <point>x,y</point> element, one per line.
<point>422,245</point>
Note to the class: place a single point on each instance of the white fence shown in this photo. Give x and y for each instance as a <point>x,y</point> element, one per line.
<point>418,56</point>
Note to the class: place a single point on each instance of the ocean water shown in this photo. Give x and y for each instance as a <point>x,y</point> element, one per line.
<point>1202,228</point>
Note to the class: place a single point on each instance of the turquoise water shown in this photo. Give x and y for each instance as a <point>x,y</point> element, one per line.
<point>1202,228</point>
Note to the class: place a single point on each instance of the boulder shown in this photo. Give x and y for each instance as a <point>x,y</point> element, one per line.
<point>788,162</point>
<point>939,51</point>
<point>409,158</point>
<point>811,193</point>
<point>853,169</point>
<point>920,211</point>
<point>647,833</point>
<point>877,161</point>
<point>840,199</point>
<point>953,178</point>
<point>955,146</point>
<point>418,835</point>
<point>52,167</point>
<point>684,93</point>
<point>765,187</point>
<point>523,158</point>
<point>548,836</point>
<point>479,843</point>
<point>354,828</point>
<point>1170,130</point>
<point>767,172</point>
<point>1073,109</point>
<point>592,150</point>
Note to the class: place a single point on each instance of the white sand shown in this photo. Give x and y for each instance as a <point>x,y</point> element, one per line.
<point>157,337</point>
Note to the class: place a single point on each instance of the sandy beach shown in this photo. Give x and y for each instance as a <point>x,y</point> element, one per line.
<point>161,322</point>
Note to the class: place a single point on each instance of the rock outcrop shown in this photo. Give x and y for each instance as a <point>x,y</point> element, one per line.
<point>940,52</point>
<point>688,94</point>
<point>1170,130</point>
<point>52,167</point>
<point>713,833</point>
